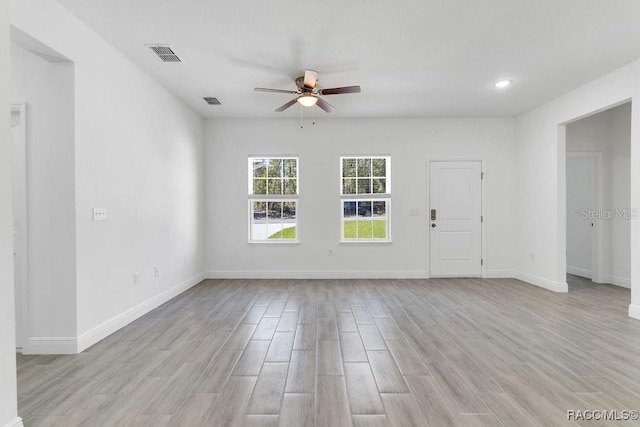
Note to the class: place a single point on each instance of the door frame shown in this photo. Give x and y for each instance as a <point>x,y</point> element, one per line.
<point>22,332</point>
<point>597,231</point>
<point>483,249</point>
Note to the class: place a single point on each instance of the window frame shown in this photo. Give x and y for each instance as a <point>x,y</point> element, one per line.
<point>366,197</point>
<point>277,198</point>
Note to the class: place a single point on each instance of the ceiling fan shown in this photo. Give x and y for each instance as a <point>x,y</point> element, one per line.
<point>309,94</point>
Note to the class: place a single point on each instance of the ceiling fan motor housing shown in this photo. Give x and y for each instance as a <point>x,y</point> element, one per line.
<point>301,86</point>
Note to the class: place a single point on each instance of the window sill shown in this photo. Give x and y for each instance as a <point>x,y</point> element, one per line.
<point>365,242</point>
<point>274,243</point>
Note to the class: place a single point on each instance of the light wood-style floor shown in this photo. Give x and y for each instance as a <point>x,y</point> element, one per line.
<point>455,352</point>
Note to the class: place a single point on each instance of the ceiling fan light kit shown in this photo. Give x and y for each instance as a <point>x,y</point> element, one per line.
<point>308,100</point>
<point>309,94</point>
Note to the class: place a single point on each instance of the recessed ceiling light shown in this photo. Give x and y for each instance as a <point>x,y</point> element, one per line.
<point>502,84</point>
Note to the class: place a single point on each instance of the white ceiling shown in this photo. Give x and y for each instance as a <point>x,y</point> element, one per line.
<point>413,58</point>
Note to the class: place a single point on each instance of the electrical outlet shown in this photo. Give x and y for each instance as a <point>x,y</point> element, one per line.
<point>99,214</point>
<point>136,278</point>
<point>156,272</point>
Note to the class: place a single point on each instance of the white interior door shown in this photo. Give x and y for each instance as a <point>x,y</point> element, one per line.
<point>19,178</point>
<point>581,175</point>
<point>455,200</point>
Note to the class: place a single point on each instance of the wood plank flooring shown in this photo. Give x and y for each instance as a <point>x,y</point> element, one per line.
<point>440,352</point>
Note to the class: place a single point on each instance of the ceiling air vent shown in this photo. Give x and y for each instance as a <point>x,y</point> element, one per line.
<point>211,100</point>
<point>165,53</point>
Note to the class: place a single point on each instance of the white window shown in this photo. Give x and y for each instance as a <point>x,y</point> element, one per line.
<point>273,199</point>
<point>365,193</point>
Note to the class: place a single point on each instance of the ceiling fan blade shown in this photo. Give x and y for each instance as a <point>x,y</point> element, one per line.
<point>287,105</point>
<point>339,90</point>
<point>310,78</point>
<point>264,89</point>
<point>325,105</point>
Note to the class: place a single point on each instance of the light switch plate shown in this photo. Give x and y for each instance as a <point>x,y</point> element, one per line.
<point>99,214</point>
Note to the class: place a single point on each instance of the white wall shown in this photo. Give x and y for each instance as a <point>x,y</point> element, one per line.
<point>540,157</point>
<point>138,153</point>
<point>47,88</point>
<point>410,142</point>
<point>609,133</point>
<point>8,399</point>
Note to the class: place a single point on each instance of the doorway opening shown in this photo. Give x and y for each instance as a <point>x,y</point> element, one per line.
<point>598,206</point>
<point>20,230</point>
<point>43,197</point>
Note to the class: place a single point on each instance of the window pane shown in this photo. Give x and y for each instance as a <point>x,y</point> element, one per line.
<point>349,186</point>
<point>291,168</point>
<point>289,210</point>
<point>379,208</point>
<point>275,210</point>
<point>259,211</point>
<point>348,167</point>
<point>275,168</point>
<point>290,186</point>
<point>379,185</point>
<point>259,221</point>
<point>365,230</point>
<point>379,229</point>
<point>364,209</point>
<point>259,186</point>
<point>259,168</point>
<point>364,167</point>
<point>380,167</point>
<point>349,209</point>
<point>274,186</point>
<point>350,227</point>
<point>364,186</point>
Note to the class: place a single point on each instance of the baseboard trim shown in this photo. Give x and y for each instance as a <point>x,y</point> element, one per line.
<point>16,422</point>
<point>105,329</point>
<point>349,274</point>
<point>623,282</point>
<point>542,282</point>
<point>634,311</point>
<point>577,271</point>
<point>499,274</point>
<point>50,345</point>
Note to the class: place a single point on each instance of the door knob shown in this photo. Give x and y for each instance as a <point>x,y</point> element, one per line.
<point>433,225</point>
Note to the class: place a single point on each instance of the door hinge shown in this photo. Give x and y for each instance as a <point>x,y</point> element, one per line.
<point>481,261</point>
<point>481,218</point>
<point>481,175</point>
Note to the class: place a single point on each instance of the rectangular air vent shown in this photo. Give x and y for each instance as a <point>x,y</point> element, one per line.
<point>211,100</point>
<point>165,53</point>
